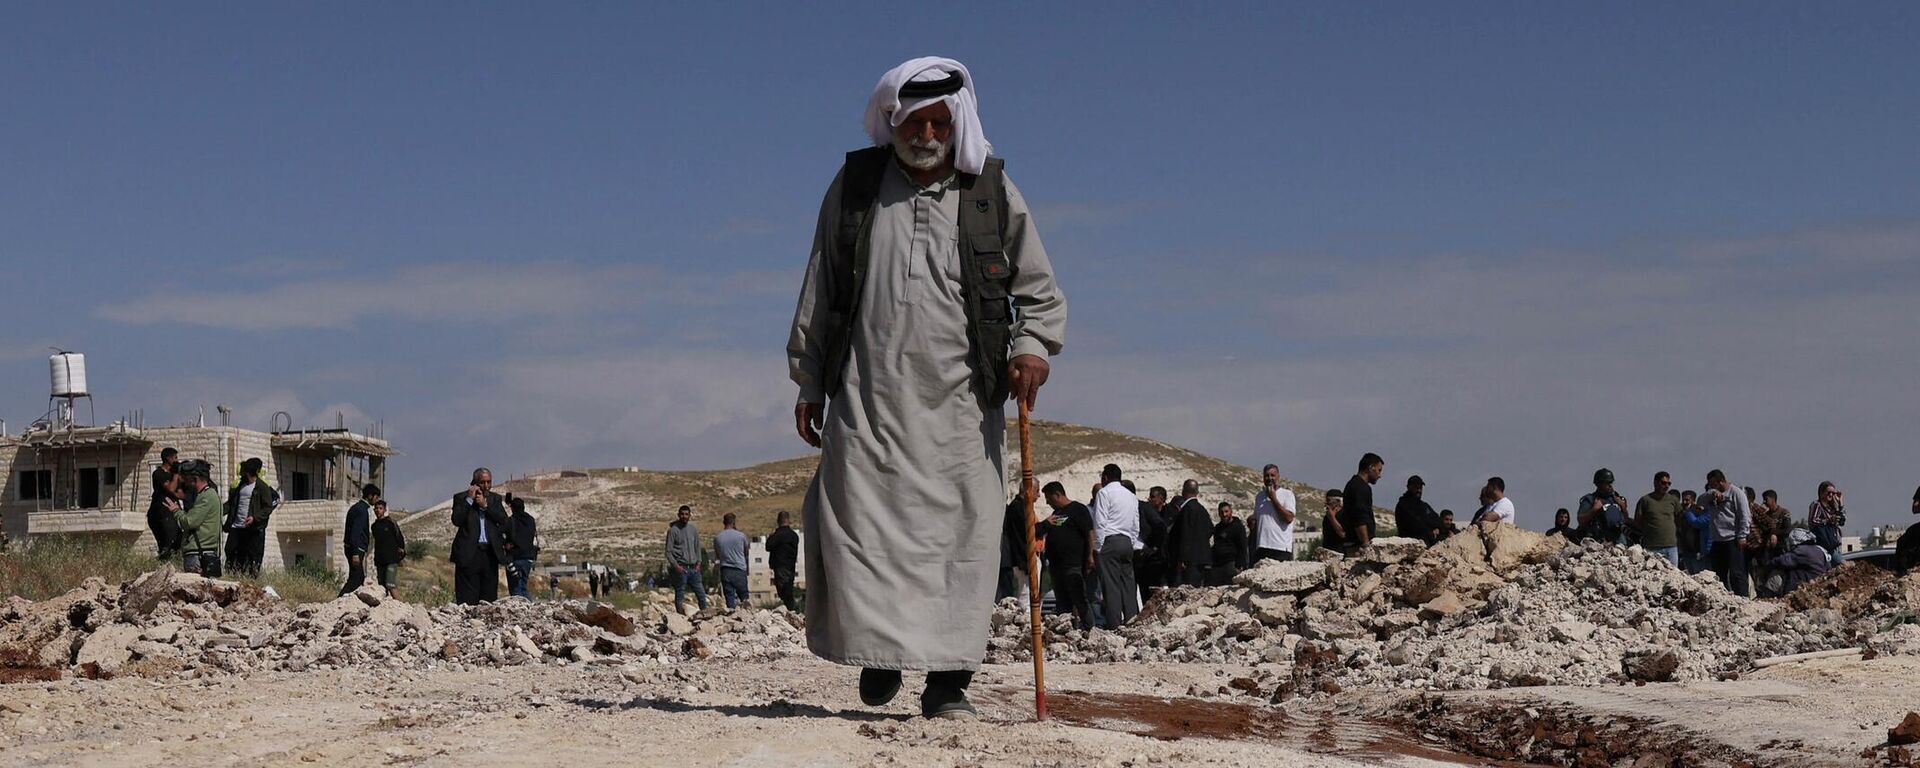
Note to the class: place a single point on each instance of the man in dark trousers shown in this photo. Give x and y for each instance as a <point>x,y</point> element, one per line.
<point>481,525</point>
<point>389,548</point>
<point>359,537</point>
<point>1068,535</point>
<point>247,511</point>
<point>783,556</point>
<point>166,481</point>
<point>1189,538</point>
<point>1229,548</point>
<point>1150,563</point>
<point>1356,514</point>
<point>523,547</point>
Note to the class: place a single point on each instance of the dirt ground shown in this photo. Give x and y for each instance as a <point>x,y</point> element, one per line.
<point>793,712</point>
<point>799,712</point>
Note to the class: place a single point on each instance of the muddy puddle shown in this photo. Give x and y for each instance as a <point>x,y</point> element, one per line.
<point>1173,719</point>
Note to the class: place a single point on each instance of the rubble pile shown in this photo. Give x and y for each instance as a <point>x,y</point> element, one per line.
<point>166,622</point>
<point>1492,607</point>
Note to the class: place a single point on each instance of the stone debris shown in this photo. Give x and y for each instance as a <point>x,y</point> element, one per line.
<point>1493,607</point>
<point>174,623</point>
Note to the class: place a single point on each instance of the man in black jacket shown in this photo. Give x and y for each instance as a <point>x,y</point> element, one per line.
<point>479,541</point>
<point>389,548</point>
<point>248,508</point>
<point>522,547</point>
<point>166,533</point>
<point>1150,563</point>
<point>1229,548</point>
<point>359,536</point>
<point>1189,535</point>
<point>1413,517</point>
<point>783,557</point>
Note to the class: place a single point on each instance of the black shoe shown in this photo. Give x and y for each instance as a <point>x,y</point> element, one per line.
<point>946,696</point>
<point>878,686</point>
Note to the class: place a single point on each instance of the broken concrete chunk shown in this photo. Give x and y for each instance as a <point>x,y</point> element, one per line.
<point>1274,576</point>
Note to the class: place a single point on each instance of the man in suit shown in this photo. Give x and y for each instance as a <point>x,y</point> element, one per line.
<point>1189,535</point>
<point>481,526</point>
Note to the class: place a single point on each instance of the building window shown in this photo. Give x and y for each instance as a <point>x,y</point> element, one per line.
<point>36,484</point>
<point>109,477</point>
<point>302,489</point>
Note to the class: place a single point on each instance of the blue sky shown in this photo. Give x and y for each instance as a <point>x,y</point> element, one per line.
<point>1522,239</point>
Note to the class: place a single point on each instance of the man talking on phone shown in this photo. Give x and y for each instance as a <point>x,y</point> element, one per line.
<point>481,525</point>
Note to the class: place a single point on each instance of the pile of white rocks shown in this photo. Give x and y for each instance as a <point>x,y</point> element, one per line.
<point>173,623</point>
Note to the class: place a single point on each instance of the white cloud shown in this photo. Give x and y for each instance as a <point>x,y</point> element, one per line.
<point>468,293</point>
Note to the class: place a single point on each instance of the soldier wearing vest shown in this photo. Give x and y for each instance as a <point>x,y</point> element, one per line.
<point>927,301</point>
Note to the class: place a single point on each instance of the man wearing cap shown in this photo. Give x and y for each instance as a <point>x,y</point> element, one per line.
<point>166,535</point>
<point>247,512</point>
<point>198,520</point>
<point>927,301</point>
<point>1413,517</point>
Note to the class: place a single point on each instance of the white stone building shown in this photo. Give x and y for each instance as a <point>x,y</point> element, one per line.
<point>97,481</point>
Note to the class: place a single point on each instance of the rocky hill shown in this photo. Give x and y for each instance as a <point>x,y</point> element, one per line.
<point>617,515</point>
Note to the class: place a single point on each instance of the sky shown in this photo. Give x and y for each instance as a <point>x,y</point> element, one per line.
<point>1524,239</point>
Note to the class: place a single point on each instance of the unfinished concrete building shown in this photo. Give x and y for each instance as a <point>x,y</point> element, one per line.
<point>66,478</point>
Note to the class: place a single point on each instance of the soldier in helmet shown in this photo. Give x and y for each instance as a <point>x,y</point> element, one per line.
<point>1603,513</point>
<point>198,520</point>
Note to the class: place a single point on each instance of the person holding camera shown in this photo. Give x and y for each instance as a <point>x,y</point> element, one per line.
<point>1826,516</point>
<point>198,520</point>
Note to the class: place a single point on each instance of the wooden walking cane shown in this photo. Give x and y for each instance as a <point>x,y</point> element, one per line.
<point>1028,492</point>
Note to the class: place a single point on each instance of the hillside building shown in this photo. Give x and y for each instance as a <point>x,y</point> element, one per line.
<point>61,478</point>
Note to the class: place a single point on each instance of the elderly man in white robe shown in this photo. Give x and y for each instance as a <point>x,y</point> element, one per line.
<point>928,302</point>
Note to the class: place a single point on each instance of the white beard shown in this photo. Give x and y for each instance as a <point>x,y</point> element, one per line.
<point>922,156</point>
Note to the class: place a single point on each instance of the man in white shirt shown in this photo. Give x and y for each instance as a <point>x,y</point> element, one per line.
<point>1116,528</point>
<point>1499,509</point>
<point>1273,515</point>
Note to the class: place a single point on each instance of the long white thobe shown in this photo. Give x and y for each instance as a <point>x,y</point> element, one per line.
<point>904,515</point>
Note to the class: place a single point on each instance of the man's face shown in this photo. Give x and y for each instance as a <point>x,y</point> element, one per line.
<point>1157,498</point>
<point>1334,505</point>
<point>685,515</point>
<point>1560,518</point>
<point>380,509</point>
<point>1446,519</point>
<point>1661,484</point>
<point>484,480</point>
<point>1720,485</point>
<point>924,140</point>
<point>1605,489</point>
<point>1226,513</point>
<point>1056,499</point>
<point>1416,490</point>
<point>1374,472</point>
<point>1689,497</point>
<point>1271,476</point>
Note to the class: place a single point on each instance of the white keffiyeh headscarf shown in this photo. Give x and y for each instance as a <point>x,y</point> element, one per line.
<point>885,110</point>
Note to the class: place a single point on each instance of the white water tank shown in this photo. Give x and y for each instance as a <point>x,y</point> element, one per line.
<point>69,374</point>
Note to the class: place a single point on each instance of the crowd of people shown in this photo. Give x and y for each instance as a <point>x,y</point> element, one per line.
<point>730,548</point>
<point>1126,548</point>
